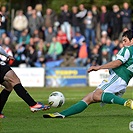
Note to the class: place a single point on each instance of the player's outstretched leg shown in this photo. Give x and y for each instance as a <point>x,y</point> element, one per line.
<point>112,98</point>
<point>34,106</point>
<point>3,98</point>
<point>93,97</point>
<point>74,109</point>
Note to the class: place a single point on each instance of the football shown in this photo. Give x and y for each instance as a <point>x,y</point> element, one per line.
<point>56,99</point>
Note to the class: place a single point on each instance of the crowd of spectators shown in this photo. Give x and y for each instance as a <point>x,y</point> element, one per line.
<point>39,37</point>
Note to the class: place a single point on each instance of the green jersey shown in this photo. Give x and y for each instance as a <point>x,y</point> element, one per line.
<point>125,71</point>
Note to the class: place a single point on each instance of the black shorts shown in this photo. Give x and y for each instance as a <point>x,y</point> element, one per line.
<point>4,68</point>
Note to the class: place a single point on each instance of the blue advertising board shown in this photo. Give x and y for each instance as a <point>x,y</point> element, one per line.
<point>66,76</point>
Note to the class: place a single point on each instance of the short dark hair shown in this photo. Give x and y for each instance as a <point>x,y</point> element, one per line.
<point>128,34</point>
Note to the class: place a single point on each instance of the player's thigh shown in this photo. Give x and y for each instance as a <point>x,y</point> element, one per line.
<point>12,78</point>
<point>114,84</point>
<point>7,86</point>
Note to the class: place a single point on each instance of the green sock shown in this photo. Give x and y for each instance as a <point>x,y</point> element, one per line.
<point>112,98</point>
<point>75,109</point>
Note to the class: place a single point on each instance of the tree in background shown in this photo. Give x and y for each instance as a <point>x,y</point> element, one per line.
<point>56,4</point>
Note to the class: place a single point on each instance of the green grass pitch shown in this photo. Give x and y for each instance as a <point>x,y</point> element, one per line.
<point>95,119</point>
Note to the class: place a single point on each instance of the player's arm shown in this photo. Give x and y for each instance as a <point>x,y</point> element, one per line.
<point>2,52</point>
<point>110,65</point>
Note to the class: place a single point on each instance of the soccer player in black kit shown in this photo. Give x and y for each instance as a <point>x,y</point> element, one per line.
<point>10,81</point>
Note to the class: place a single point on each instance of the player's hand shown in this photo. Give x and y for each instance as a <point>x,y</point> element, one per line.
<point>10,60</point>
<point>93,68</point>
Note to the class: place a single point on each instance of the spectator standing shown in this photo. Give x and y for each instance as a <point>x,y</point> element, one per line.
<point>104,18</point>
<point>49,19</point>
<point>96,15</point>
<point>81,15</point>
<point>38,9</point>
<point>75,21</point>
<point>126,14</point>
<point>20,23</point>
<point>35,22</point>
<point>29,12</point>
<point>65,21</point>
<point>90,24</point>
<point>116,22</point>
<point>3,27</point>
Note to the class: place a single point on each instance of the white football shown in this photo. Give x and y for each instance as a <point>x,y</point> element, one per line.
<point>56,99</point>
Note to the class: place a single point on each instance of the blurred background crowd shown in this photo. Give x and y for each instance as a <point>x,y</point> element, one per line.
<point>74,37</point>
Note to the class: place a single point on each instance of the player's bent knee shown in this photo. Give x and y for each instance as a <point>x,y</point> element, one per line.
<point>7,86</point>
<point>88,98</point>
<point>97,95</point>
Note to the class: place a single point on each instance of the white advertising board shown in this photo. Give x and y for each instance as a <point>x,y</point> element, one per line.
<point>96,77</point>
<point>31,77</point>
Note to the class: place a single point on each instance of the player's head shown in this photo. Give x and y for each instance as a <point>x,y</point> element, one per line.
<point>127,37</point>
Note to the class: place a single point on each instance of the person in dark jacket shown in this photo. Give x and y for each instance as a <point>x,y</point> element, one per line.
<point>126,13</point>
<point>75,21</point>
<point>65,21</point>
<point>116,22</point>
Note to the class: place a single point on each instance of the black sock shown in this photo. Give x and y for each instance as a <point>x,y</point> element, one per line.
<point>21,92</point>
<point>3,98</point>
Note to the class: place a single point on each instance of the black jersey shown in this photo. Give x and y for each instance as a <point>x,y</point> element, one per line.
<point>4,68</point>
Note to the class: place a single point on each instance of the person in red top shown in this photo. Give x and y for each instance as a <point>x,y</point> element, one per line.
<point>82,55</point>
<point>62,38</point>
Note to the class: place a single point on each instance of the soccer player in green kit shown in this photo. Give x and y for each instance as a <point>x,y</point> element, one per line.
<point>110,91</point>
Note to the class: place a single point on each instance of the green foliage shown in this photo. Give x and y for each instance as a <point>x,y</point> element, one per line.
<point>95,119</point>
<point>55,4</point>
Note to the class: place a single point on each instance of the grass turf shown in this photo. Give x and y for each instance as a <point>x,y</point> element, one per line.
<point>95,119</point>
